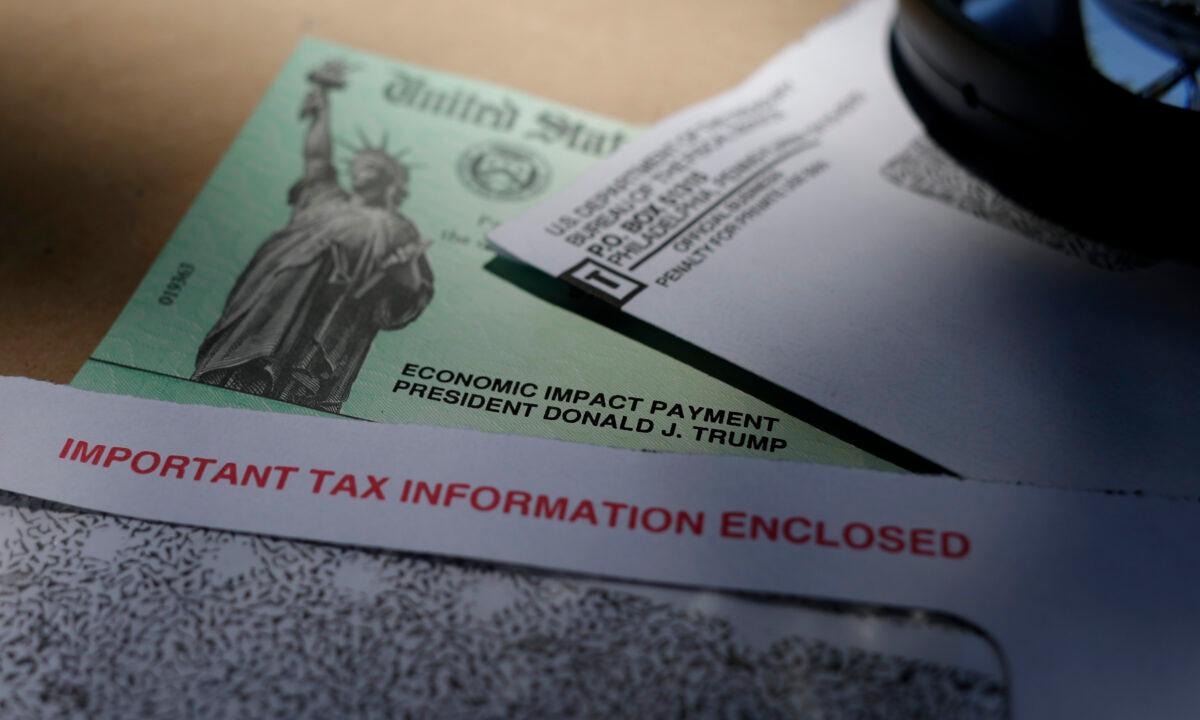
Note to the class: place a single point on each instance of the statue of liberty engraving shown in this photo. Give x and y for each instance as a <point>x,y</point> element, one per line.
<point>299,321</point>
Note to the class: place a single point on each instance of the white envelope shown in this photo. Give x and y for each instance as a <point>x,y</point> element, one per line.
<point>1081,605</point>
<point>802,227</point>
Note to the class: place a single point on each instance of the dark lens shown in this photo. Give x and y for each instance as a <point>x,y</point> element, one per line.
<point>1149,47</point>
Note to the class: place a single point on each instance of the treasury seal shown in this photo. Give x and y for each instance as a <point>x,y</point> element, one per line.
<point>503,171</point>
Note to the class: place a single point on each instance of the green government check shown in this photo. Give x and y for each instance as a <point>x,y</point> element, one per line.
<point>335,263</point>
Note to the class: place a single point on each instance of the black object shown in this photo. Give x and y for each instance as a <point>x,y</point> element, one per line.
<point>1061,104</point>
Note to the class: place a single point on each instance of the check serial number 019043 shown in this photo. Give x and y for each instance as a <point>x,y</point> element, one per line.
<point>175,284</point>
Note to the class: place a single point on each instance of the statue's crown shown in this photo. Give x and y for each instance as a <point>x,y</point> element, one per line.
<point>378,156</point>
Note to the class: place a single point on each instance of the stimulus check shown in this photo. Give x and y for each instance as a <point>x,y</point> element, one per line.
<point>802,227</point>
<point>336,263</point>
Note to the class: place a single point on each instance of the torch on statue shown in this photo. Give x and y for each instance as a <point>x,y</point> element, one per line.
<point>301,318</point>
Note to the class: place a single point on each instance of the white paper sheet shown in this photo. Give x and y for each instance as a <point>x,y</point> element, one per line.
<point>801,227</point>
<point>1089,598</point>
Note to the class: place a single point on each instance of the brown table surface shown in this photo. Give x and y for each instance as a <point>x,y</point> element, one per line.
<point>112,115</point>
